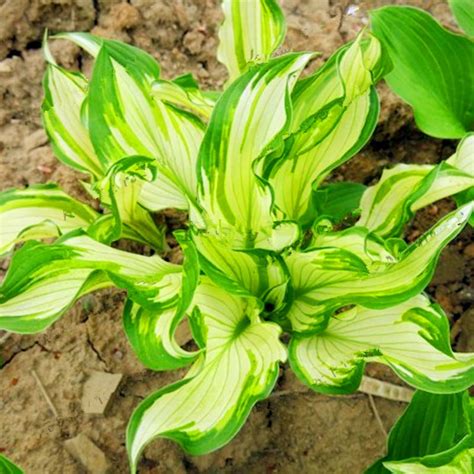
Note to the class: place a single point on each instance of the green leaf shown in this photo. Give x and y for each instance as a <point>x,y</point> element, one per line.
<point>412,338</point>
<point>251,32</point>
<point>43,281</point>
<point>338,200</point>
<point>64,96</point>
<point>433,436</point>
<point>326,279</point>
<point>7,467</point>
<point>236,202</point>
<point>38,212</point>
<point>433,69</point>
<point>463,11</point>
<point>335,113</point>
<point>152,333</point>
<point>460,464</point>
<point>207,408</point>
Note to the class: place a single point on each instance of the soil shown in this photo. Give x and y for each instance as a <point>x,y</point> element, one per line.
<point>293,431</point>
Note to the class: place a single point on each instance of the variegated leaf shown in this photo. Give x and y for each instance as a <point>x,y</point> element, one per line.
<point>387,206</point>
<point>251,32</point>
<point>335,112</point>
<point>120,190</point>
<point>40,211</point>
<point>64,96</point>
<point>242,130</point>
<point>240,367</point>
<point>326,279</point>
<point>374,252</point>
<point>153,333</point>
<point>183,92</point>
<point>412,338</point>
<point>256,274</point>
<point>43,281</point>
<point>126,119</point>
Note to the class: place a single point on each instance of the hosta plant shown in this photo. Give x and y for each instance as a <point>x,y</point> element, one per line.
<point>270,247</point>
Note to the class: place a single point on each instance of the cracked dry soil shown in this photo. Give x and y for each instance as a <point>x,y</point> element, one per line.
<point>295,432</point>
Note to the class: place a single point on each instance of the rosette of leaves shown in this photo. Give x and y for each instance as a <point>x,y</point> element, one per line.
<point>265,252</point>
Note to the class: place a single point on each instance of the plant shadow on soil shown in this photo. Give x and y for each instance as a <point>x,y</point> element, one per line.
<point>293,431</point>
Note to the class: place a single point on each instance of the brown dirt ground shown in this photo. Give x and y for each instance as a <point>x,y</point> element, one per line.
<point>293,431</point>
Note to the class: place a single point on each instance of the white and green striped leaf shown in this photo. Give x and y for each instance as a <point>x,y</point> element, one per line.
<point>463,158</point>
<point>388,205</point>
<point>38,212</point>
<point>239,367</point>
<point>126,119</point>
<point>152,333</point>
<point>375,253</point>
<point>183,92</point>
<point>251,32</point>
<point>120,189</point>
<point>242,129</point>
<point>433,436</point>
<point>310,271</point>
<point>162,193</point>
<point>121,111</point>
<point>139,63</point>
<point>432,70</point>
<point>326,279</point>
<point>256,274</point>
<point>153,337</point>
<point>412,338</point>
<point>43,281</point>
<point>64,96</point>
<point>335,113</point>
<point>86,41</point>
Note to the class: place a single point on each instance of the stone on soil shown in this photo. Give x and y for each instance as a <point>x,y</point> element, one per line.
<point>98,390</point>
<point>88,454</point>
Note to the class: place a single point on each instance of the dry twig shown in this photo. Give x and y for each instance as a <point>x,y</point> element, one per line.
<point>377,415</point>
<point>386,390</point>
<point>45,394</point>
